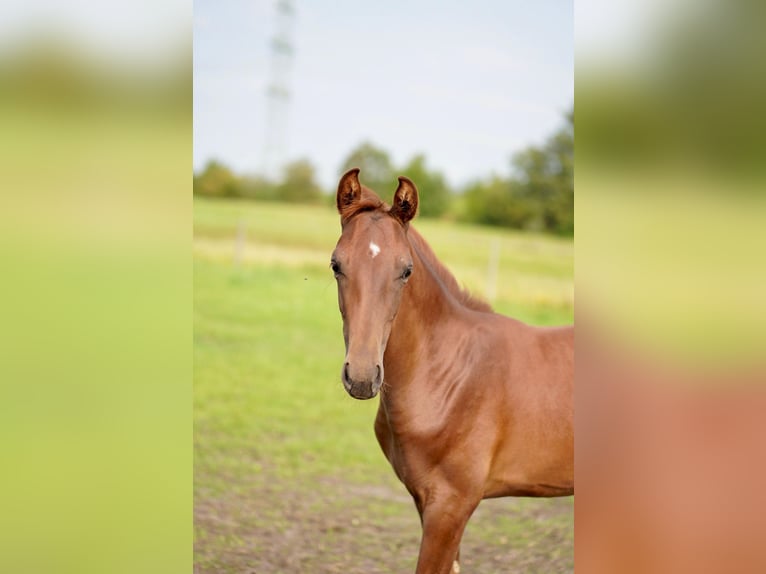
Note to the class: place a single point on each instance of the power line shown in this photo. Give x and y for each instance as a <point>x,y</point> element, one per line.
<point>278,92</point>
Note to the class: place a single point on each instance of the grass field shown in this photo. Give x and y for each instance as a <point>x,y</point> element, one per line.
<point>288,475</point>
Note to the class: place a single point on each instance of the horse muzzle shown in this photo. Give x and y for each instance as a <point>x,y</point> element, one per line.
<point>362,383</point>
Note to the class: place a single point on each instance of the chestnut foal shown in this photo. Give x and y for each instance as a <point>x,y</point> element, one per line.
<point>473,404</point>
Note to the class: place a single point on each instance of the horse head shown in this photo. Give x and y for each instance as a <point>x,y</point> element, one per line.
<point>372,263</point>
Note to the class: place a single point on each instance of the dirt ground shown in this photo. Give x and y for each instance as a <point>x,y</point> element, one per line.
<point>331,525</point>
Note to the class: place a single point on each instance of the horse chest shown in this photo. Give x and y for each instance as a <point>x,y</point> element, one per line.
<point>413,445</point>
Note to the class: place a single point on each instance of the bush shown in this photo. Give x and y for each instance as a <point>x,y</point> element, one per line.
<point>216,180</point>
<point>299,184</point>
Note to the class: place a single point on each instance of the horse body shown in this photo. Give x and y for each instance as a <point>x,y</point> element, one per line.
<point>491,398</point>
<point>473,404</point>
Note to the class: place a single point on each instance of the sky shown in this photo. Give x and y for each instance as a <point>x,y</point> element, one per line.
<point>465,83</point>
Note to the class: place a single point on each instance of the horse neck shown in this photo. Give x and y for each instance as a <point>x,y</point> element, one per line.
<point>425,311</point>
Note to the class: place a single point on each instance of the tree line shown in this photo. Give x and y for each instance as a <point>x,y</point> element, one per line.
<point>537,193</point>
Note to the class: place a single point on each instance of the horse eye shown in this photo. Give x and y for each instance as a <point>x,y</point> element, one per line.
<point>335,267</point>
<point>407,273</point>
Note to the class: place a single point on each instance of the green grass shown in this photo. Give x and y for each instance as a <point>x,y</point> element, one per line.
<point>268,347</point>
<point>272,420</point>
<point>534,281</point>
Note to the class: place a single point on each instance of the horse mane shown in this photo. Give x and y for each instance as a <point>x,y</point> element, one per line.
<point>369,201</point>
<point>447,279</point>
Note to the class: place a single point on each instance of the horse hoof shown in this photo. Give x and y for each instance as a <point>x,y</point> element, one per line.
<point>456,567</point>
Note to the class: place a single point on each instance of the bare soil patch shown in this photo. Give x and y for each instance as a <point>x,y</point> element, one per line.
<point>331,525</point>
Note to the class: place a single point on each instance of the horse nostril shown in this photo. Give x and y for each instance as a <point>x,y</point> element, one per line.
<point>379,375</point>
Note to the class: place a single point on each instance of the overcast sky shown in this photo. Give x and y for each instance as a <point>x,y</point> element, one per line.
<point>466,83</point>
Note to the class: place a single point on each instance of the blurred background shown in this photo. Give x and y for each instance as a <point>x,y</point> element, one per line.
<point>670,351</point>
<point>474,103</point>
<point>95,296</point>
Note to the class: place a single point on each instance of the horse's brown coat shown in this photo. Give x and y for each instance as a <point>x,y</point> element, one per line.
<point>473,404</point>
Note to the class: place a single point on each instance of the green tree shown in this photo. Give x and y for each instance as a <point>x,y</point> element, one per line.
<point>434,195</point>
<point>299,183</point>
<point>561,208</point>
<point>544,178</point>
<point>257,187</point>
<point>539,195</point>
<point>497,201</point>
<point>377,171</point>
<point>216,180</point>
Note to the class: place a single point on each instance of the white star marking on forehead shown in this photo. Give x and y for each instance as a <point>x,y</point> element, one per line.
<point>374,249</point>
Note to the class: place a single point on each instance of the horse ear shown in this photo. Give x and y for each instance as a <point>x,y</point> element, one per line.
<point>349,190</point>
<point>405,201</point>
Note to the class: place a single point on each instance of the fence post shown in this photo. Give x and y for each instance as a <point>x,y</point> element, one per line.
<point>239,244</point>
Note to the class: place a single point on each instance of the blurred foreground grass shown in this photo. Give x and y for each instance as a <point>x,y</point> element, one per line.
<point>95,301</point>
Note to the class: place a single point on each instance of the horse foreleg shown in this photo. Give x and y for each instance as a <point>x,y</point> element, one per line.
<point>444,521</point>
<point>456,563</point>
